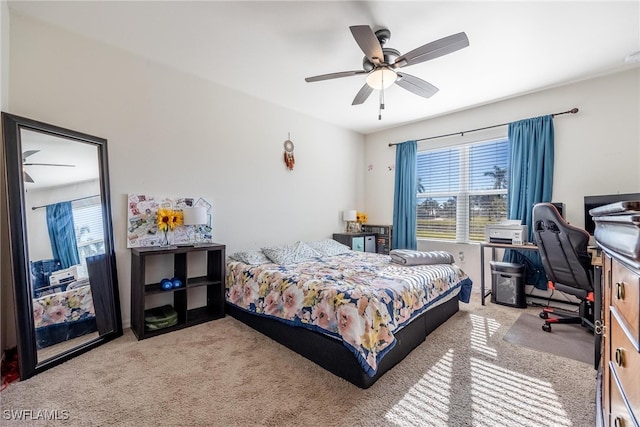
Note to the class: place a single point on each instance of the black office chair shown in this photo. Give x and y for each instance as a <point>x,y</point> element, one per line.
<point>563,249</point>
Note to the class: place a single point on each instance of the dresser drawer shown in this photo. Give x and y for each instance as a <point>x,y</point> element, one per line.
<point>619,415</point>
<point>624,361</point>
<point>625,297</point>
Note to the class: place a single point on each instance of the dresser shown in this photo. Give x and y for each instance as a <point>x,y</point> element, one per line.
<point>619,375</point>
<point>621,352</point>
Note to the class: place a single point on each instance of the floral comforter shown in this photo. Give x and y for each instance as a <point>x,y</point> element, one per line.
<point>361,298</point>
<point>63,307</point>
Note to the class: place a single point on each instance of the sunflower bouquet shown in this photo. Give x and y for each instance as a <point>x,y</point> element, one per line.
<point>168,219</point>
<point>361,217</point>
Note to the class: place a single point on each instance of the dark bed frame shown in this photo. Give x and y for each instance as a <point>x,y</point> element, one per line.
<point>60,332</point>
<point>331,353</point>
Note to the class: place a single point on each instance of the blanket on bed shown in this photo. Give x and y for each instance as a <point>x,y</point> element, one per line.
<point>411,257</point>
<point>361,298</point>
<point>63,307</point>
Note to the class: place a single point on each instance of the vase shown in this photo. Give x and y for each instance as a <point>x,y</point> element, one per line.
<point>165,239</point>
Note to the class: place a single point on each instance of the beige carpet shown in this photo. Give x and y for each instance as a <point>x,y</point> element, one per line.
<point>572,341</point>
<point>223,373</point>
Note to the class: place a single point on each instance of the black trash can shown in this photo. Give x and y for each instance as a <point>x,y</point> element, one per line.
<point>507,284</point>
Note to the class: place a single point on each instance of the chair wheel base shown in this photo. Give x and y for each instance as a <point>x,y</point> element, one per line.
<point>546,327</point>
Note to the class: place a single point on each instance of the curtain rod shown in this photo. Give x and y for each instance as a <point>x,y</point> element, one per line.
<point>391,144</point>
<point>72,200</point>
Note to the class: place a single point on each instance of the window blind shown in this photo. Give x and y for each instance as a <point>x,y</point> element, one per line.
<point>461,189</point>
<point>89,227</point>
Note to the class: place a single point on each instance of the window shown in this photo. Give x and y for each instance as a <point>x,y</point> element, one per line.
<point>461,189</point>
<point>89,227</point>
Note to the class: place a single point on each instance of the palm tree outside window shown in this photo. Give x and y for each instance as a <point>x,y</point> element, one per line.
<point>461,189</point>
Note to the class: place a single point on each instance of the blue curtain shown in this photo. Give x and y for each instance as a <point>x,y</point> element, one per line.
<point>405,199</point>
<point>62,234</point>
<point>530,181</point>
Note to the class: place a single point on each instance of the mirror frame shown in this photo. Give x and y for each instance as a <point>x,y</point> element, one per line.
<point>25,326</point>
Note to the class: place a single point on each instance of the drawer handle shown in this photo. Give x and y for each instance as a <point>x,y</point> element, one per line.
<point>620,357</point>
<point>618,422</point>
<point>598,327</point>
<point>620,290</point>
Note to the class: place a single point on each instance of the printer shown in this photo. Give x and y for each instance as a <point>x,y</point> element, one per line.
<point>510,232</point>
<point>64,277</point>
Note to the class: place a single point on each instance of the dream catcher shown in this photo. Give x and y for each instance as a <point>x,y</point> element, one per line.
<point>289,160</point>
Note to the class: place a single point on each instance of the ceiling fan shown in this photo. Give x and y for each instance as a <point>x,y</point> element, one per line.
<point>380,63</point>
<point>26,176</point>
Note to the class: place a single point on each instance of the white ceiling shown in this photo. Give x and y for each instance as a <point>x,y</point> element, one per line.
<point>267,48</point>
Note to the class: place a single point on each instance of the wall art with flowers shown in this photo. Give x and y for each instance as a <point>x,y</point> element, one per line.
<point>158,221</point>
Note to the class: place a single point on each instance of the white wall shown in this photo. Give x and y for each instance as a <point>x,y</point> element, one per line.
<point>173,134</point>
<point>4,55</point>
<point>596,150</point>
<point>7,321</point>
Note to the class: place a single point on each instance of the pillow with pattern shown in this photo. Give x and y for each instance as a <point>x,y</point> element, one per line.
<point>329,247</point>
<point>251,257</point>
<point>290,254</point>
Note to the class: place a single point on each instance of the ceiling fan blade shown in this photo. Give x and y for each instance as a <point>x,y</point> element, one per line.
<point>433,50</point>
<point>29,153</point>
<point>368,42</point>
<point>362,94</point>
<point>416,85</point>
<point>27,177</point>
<point>334,75</point>
<point>48,164</point>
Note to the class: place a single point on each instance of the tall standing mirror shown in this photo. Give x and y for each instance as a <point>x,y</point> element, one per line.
<point>61,239</point>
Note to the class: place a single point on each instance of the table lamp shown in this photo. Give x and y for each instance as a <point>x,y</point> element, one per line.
<point>350,218</point>
<point>194,218</point>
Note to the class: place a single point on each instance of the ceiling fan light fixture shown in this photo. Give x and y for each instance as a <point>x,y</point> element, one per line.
<point>381,78</point>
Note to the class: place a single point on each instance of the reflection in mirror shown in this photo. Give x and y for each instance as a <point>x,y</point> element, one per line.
<point>66,296</point>
<point>64,228</point>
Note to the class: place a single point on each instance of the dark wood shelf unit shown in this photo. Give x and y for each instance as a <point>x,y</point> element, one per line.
<point>362,242</point>
<point>213,281</point>
<point>384,234</point>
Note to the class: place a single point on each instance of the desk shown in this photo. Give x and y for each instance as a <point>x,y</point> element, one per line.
<point>596,263</point>
<point>494,246</point>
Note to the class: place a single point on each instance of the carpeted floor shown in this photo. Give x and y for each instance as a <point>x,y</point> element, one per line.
<point>223,373</point>
<point>572,341</point>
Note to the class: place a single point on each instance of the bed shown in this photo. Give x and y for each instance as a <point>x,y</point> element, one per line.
<point>355,314</point>
<point>64,315</point>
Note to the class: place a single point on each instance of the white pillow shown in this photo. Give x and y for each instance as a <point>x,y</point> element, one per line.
<point>290,254</point>
<point>329,247</point>
<point>251,257</point>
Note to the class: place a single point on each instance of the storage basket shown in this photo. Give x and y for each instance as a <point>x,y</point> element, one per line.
<point>160,317</point>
